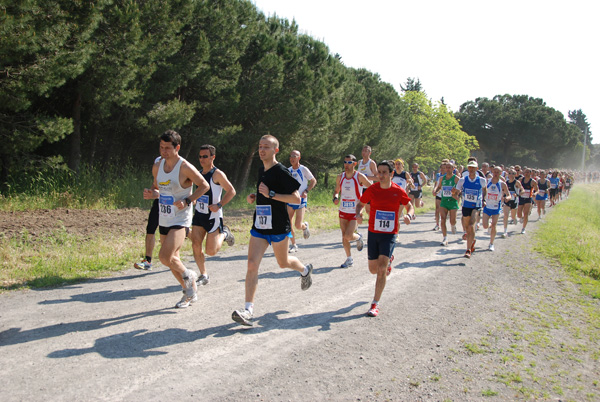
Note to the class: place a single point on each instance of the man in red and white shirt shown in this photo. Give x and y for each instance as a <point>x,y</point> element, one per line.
<point>385,198</point>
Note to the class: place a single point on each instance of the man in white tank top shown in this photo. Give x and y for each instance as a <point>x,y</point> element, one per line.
<point>348,190</point>
<point>173,180</point>
<point>307,182</point>
<point>368,167</point>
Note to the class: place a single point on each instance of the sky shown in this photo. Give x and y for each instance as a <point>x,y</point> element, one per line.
<point>465,49</point>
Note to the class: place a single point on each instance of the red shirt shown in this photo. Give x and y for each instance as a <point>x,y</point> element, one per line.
<point>385,204</point>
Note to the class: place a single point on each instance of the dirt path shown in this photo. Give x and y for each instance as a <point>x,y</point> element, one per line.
<point>501,326</point>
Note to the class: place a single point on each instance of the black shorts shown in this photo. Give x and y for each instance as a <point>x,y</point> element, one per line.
<point>438,198</point>
<point>553,192</point>
<point>152,218</point>
<point>416,194</point>
<point>512,204</point>
<point>523,201</point>
<point>467,212</point>
<point>163,230</point>
<point>380,244</point>
<point>210,225</point>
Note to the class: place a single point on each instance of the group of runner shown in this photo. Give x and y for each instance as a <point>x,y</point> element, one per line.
<point>383,189</point>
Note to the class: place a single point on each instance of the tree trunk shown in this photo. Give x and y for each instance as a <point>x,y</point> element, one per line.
<point>75,158</point>
<point>4,169</point>
<point>93,144</point>
<point>245,170</point>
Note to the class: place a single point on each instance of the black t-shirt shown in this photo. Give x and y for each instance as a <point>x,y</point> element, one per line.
<point>279,179</point>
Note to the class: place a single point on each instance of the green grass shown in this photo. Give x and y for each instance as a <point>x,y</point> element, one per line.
<point>571,236</point>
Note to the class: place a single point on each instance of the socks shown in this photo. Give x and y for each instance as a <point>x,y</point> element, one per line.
<point>250,307</point>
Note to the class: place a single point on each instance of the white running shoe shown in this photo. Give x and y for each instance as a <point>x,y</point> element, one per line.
<point>293,248</point>
<point>186,300</point>
<point>306,232</point>
<point>436,228</point>
<point>229,238</point>
<point>190,283</point>
<point>504,235</point>
<point>444,242</point>
<point>348,263</point>
<point>454,229</point>
<point>491,247</point>
<point>360,242</point>
<point>523,231</point>
<point>306,280</point>
<point>202,280</point>
<point>243,317</point>
<point>144,264</point>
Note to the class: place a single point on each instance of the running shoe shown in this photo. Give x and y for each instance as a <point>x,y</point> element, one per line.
<point>473,246</point>
<point>189,283</point>
<point>437,227</point>
<point>413,217</point>
<point>491,247</point>
<point>389,268</point>
<point>444,242</point>
<point>202,280</point>
<point>523,231</point>
<point>464,237</point>
<point>477,227</point>
<point>454,229</point>
<point>144,264</point>
<point>504,235</point>
<point>229,238</point>
<point>360,243</point>
<point>243,317</point>
<point>468,254</point>
<point>306,232</point>
<point>373,311</point>
<point>293,248</point>
<point>348,263</point>
<point>186,300</point>
<point>306,280</point>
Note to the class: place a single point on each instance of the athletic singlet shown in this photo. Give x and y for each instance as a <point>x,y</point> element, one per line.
<point>303,176</point>
<point>553,182</point>
<point>171,191</point>
<point>511,188</point>
<point>349,193</point>
<point>472,191</point>
<point>447,186</point>
<point>417,180</point>
<point>526,192</point>
<point>366,170</point>
<point>437,177</point>
<point>493,196</point>
<point>212,196</point>
<point>543,187</point>
<point>400,179</point>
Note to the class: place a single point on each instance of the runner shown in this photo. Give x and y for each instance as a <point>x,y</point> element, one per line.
<point>448,204</point>
<point>307,182</point>
<point>510,206</point>
<point>473,189</point>
<point>347,188</point>
<point>150,240</point>
<point>402,178</point>
<point>497,191</point>
<point>554,181</point>
<point>368,167</point>
<point>274,189</point>
<point>542,195</point>
<point>416,194</point>
<point>385,198</point>
<point>568,184</point>
<point>530,187</point>
<point>173,181</point>
<point>437,194</point>
<point>208,214</point>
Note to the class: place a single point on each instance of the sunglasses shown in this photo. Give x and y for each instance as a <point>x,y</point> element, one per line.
<point>203,156</point>
<point>348,162</point>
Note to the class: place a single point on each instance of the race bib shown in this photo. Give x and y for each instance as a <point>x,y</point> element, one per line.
<point>541,192</point>
<point>202,204</point>
<point>400,181</point>
<point>264,217</point>
<point>525,194</point>
<point>165,206</point>
<point>493,200</point>
<point>384,221</point>
<point>471,195</point>
<point>553,185</point>
<point>348,206</point>
<point>446,191</point>
<point>513,194</point>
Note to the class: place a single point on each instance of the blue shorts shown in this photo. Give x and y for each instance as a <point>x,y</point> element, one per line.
<point>491,212</point>
<point>271,238</point>
<point>541,197</point>
<point>380,244</point>
<point>298,206</point>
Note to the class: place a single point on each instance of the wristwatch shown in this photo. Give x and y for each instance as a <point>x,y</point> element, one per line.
<point>219,205</point>
<point>271,194</point>
<point>187,200</point>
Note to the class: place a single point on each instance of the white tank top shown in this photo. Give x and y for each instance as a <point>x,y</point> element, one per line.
<point>171,191</point>
<point>349,193</point>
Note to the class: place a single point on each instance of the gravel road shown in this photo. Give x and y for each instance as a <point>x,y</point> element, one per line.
<point>503,325</point>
